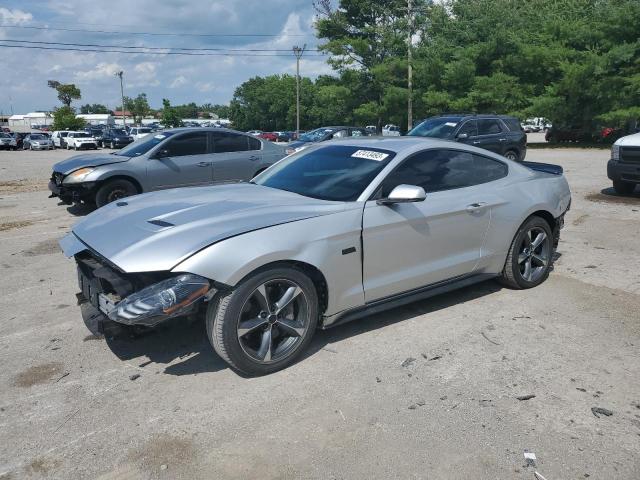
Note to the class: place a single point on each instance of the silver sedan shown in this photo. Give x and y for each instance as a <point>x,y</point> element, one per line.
<point>327,235</point>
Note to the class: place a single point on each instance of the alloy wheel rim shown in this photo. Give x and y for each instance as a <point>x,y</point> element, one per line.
<point>273,321</point>
<point>534,254</point>
<point>116,194</point>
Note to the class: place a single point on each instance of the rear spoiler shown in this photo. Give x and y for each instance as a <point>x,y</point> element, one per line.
<point>544,167</point>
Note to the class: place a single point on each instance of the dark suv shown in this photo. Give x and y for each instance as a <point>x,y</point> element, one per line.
<point>498,133</point>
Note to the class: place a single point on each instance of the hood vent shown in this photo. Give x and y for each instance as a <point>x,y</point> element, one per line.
<point>161,223</point>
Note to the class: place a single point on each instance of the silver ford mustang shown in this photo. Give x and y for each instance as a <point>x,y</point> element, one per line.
<point>326,235</point>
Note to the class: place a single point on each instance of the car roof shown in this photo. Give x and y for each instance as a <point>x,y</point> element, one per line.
<point>394,144</point>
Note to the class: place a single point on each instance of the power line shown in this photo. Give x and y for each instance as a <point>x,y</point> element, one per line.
<point>205,54</point>
<point>181,34</point>
<point>150,48</point>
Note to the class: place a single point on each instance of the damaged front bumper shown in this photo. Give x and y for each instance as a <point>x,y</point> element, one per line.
<point>70,193</point>
<point>135,298</point>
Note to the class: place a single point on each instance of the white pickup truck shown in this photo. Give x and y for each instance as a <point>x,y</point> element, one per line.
<point>624,167</point>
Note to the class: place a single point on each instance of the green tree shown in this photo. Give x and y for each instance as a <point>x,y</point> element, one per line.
<point>64,118</point>
<point>94,108</point>
<point>66,92</point>
<point>138,106</point>
<point>170,117</point>
<point>370,39</point>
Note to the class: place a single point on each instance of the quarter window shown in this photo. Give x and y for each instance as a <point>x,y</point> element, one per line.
<point>230,142</point>
<point>254,143</point>
<point>437,170</point>
<point>194,143</point>
<point>489,126</point>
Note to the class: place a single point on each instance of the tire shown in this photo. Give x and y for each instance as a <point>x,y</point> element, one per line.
<point>528,267</point>
<point>512,155</point>
<point>623,188</point>
<point>115,190</point>
<point>245,353</point>
<point>113,146</point>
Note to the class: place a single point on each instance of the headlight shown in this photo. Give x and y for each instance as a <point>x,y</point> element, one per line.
<point>615,152</point>
<point>78,176</point>
<point>169,298</point>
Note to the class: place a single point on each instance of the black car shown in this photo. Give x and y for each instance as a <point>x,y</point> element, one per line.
<point>497,133</point>
<point>115,138</point>
<point>19,136</point>
<point>325,133</point>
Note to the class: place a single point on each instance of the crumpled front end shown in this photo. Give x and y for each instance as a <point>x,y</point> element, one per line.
<point>141,298</point>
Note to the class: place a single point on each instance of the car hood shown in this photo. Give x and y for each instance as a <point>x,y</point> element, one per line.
<point>156,231</point>
<point>629,140</point>
<point>87,160</point>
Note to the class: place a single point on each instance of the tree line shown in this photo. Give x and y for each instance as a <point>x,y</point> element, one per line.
<point>575,62</point>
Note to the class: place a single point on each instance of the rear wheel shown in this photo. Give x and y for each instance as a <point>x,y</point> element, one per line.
<point>114,190</point>
<point>266,322</point>
<point>623,188</point>
<point>530,255</point>
<point>113,145</point>
<point>512,155</point>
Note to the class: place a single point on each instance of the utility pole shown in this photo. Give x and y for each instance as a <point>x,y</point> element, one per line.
<point>124,118</point>
<point>297,51</point>
<point>409,68</point>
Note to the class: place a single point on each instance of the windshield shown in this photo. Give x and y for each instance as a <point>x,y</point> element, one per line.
<point>317,134</point>
<point>335,172</point>
<point>441,127</point>
<point>38,137</point>
<point>4,135</point>
<point>118,132</point>
<point>81,135</point>
<point>142,146</point>
<point>144,130</point>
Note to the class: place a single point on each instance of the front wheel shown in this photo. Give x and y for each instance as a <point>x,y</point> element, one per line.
<point>623,188</point>
<point>530,255</point>
<point>114,190</point>
<point>113,146</point>
<point>266,322</point>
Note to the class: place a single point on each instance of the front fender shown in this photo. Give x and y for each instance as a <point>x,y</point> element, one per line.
<point>330,243</point>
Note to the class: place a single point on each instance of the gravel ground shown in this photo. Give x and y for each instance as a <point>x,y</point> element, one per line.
<point>425,391</point>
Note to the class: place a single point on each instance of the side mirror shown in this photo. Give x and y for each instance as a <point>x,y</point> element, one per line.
<point>404,194</point>
<point>162,153</point>
<point>462,136</point>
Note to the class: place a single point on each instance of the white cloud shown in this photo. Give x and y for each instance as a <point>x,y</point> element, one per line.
<point>205,86</point>
<point>101,71</point>
<point>178,82</point>
<point>14,17</point>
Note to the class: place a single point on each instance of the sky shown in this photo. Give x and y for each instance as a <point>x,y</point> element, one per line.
<point>181,79</point>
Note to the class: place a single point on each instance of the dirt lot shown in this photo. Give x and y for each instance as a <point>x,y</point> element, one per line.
<point>425,391</point>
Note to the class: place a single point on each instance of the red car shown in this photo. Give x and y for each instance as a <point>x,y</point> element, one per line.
<point>272,137</point>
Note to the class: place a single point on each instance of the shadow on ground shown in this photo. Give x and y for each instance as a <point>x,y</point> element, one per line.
<point>79,209</point>
<point>186,340</point>
<point>609,195</point>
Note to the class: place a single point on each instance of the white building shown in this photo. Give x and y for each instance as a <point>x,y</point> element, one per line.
<point>30,121</point>
<point>97,118</point>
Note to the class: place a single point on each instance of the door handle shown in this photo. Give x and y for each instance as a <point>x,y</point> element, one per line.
<point>253,158</point>
<point>476,142</point>
<point>503,139</point>
<point>204,164</point>
<point>474,207</point>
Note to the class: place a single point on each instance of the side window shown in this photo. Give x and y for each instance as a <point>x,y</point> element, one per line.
<point>254,144</point>
<point>340,134</point>
<point>437,170</point>
<point>512,123</point>
<point>470,128</point>
<point>489,126</point>
<point>229,142</point>
<point>193,143</point>
<point>357,132</point>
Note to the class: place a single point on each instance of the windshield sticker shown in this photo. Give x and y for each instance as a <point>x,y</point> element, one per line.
<point>451,124</point>
<point>159,137</point>
<point>370,155</point>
